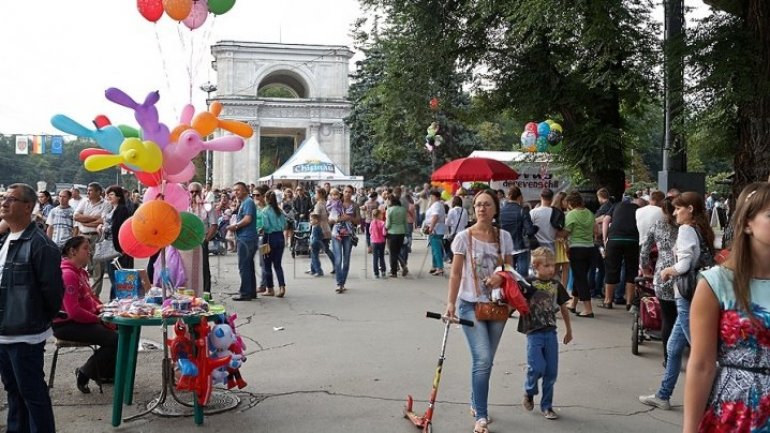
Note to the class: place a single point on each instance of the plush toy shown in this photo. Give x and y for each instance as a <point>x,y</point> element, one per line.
<point>234,377</point>
<point>221,339</point>
<point>198,372</point>
<point>181,346</point>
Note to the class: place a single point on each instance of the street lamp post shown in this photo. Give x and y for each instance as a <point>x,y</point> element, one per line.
<point>208,87</point>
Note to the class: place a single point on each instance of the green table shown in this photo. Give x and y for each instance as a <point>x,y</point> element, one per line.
<point>129,332</point>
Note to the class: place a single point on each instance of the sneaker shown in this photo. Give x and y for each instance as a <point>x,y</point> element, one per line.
<point>550,414</point>
<point>655,401</point>
<point>318,275</point>
<point>528,403</point>
<point>377,277</point>
<point>309,272</point>
<point>404,272</point>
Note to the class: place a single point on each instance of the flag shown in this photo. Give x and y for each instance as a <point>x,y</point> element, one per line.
<point>22,145</point>
<point>44,142</point>
<point>36,148</point>
<point>57,143</point>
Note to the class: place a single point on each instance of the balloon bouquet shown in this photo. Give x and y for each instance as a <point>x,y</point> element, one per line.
<point>538,136</point>
<point>160,159</point>
<point>192,13</point>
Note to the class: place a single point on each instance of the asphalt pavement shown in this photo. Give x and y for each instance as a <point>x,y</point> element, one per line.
<point>319,361</point>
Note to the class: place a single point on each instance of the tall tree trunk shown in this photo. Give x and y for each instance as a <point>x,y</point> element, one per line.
<point>752,159</point>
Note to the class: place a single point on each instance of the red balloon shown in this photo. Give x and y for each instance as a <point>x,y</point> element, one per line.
<point>130,245</point>
<point>531,127</point>
<point>151,10</point>
<point>149,179</point>
<point>434,104</point>
<point>85,153</point>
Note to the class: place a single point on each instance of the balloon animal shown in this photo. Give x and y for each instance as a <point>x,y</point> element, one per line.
<point>145,114</point>
<point>108,137</point>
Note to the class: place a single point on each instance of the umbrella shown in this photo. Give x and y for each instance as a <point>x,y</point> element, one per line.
<point>473,169</point>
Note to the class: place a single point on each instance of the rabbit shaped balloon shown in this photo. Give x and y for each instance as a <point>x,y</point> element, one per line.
<point>145,114</point>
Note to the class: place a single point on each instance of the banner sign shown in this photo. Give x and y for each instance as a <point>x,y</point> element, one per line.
<point>314,167</point>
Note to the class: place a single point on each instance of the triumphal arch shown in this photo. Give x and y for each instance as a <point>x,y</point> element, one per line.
<point>288,90</point>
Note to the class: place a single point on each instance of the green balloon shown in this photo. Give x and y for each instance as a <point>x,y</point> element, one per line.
<point>129,131</point>
<point>192,232</point>
<point>218,7</point>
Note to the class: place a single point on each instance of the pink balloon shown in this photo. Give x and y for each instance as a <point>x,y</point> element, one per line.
<point>198,14</point>
<point>176,156</point>
<point>176,195</point>
<point>183,176</point>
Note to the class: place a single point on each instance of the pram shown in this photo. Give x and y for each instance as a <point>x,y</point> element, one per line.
<point>301,239</point>
<point>647,314</point>
<point>218,244</point>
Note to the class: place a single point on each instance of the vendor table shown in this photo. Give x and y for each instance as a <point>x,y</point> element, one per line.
<point>129,331</point>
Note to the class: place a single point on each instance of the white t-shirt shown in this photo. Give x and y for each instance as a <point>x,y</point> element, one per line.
<point>12,339</point>
<point>541,217</point>
<point>485,257</point>
<point>645,218</point>
<point>74,203</point>
<point>89,209</point>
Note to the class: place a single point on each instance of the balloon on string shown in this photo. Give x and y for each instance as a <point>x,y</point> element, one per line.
<point>130,245</point>
<point>554,137</point>
<point>151,10</point>
<point>183,176</point>
<point>177,9</point>
<point>556,127</point>
<point>156,224</point>
<point>198,14</point>
<point>144,155</point>
<point>206,122</point>
<point>146,114</point>
<point>541,144</point>
<point>191,234</point>
<point>174,194</point>
<point>178,155</point>
<point>129,131</point>
<point>434,103</point>
<point>543,129</point>
<point>528,138</point>
<point>149,179</point>
<point>549,122</point>
<point>531,127</point>
<point>108,137</point>
<point>219,7</point>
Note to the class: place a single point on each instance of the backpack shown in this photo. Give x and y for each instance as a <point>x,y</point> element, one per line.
<point>557,218</point>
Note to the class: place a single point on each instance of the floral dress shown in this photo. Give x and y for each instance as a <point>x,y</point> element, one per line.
<point>740,396</point>
<point>663,235</point>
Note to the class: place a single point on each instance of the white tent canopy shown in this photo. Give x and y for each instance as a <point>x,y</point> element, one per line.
<point>310,164</point>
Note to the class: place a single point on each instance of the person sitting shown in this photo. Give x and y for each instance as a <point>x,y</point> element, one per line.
<point>80,321</point>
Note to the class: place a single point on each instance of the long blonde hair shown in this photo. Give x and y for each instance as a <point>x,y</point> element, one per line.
<point>754,199</point>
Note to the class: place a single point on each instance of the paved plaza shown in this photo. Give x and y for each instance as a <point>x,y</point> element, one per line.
<point>324,362</point>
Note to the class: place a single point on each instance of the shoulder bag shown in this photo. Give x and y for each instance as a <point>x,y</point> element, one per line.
<point>687,282</point>
<point>486,311</point>
<point>104,250</point>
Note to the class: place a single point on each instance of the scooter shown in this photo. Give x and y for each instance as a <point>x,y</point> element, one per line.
<point>424,422</point>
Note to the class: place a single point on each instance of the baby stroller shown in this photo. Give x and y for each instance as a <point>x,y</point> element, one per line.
<point>301,239</point>
<point>218,244</point>
<point>646,323</point>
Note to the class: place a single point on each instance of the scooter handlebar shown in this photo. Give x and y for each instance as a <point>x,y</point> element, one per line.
<point>457,320</point>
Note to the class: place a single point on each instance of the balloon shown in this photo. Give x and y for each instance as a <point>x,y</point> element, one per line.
<point>151,10</point>
<point>549,122</point>
<point>445,195</point>
<point>191,234</point>
<point>174,194</point>
<point>129,131</point>
<point>556,127</point>
<point>531,148</point>
<point>177,9</point>
<point>144,155</point>
<point>145,113</point>
<point>434,102</point>
<point>177,156</point>
<point>541,144</point>
<point>149,179</point>
<point>130,245</point>
<point>206,122</point>
<point>108,138</point>
<point>184,175</point>
<point>543,129</point>
<point>156,224</point>
<point>198,14</point>
<point>528,138</point>
<point>218,7</point>
<point>554,137</point>
<point>184,123</point>
<point>531,127</point>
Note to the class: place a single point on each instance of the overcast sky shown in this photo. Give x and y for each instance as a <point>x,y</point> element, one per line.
<point>60,56</point>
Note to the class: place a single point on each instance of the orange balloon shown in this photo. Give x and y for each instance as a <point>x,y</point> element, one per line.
<point>156,224</point>
<point>177,9</point>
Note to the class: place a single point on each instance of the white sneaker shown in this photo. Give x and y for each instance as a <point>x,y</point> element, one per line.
<point>655,401</point>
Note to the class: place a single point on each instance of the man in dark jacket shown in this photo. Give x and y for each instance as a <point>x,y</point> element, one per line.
<point>516,220</point>
<point>31,291</point>
<point>302,204</point>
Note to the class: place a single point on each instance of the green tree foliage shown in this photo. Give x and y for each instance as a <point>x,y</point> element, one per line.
<point>65,168</point>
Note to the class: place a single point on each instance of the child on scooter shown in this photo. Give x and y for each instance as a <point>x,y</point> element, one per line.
<point>545,296</point>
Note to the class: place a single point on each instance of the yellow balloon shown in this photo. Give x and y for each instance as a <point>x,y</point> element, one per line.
<point>144,155</point>
<point>556,127</point>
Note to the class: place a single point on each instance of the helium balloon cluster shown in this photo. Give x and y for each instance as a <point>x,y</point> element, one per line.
<point>159,158</point>
<point>538,136</point>
<point>192,13</point>
<point>434,138</point>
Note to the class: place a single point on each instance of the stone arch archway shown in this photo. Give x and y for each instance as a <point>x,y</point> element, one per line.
<point>283,90</point>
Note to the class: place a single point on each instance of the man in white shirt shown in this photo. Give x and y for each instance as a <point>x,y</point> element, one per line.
<point>88,216</point>
<point>60,225</point>
<point>647,216</point>
<point>76,198</point>
<point>541,217</point>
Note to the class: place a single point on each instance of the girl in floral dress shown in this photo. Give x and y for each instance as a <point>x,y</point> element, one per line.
<point>728,375</point>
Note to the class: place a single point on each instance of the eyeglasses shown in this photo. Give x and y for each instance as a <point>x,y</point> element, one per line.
<point>11,199</point>
<point>195,191</point>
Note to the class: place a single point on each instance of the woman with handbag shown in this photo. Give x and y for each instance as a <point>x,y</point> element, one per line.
<point>81,320</point>
<point>695,238</point>
<point>435,226</point>
<point>273,225</point>
<point>342,242</point>
<point>114,216</point>
<point>479,253</point>
<point>323,220</point>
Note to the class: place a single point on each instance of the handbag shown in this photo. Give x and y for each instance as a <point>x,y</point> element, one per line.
<point>264,245</point>
<point>353,238</point>
<point>104,250</point>
<point>486,311</point>
<point>687,282</point>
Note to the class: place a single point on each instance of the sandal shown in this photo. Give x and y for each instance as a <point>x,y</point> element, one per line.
<point>481,426</point>
<point>473,414</point>
<point>607,305</point>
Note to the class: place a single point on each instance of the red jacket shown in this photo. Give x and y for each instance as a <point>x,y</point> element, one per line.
<point>79,302</point>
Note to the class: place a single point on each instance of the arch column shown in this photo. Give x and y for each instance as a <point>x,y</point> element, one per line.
<point>252,169</point>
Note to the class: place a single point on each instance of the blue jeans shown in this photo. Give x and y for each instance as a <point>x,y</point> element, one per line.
<point>542,362</point>
<point>679,338</point>
<point>247,248</point>
<point>483,339</point>
<point>315,261</point>
<point>29,405</point>
<point>273,260</point>
<point>406,248</point>
<point>521,262</point>
<point>341,248</point>
<point>328,251</point>
<point>378,258</point>
<point>437,250</point>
